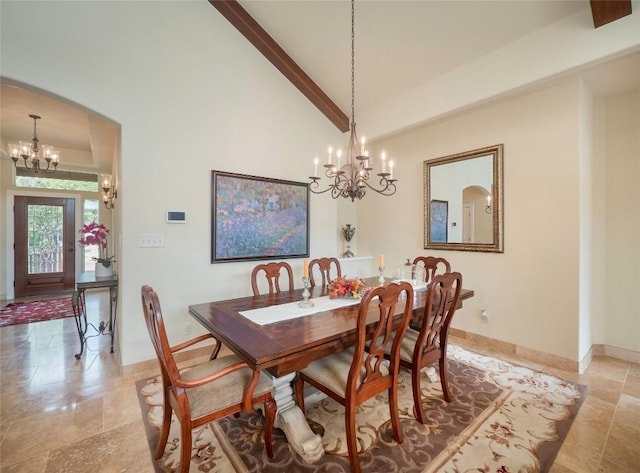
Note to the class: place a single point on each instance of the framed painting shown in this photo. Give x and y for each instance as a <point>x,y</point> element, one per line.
<point>258,218</point>
<point>439,217</point>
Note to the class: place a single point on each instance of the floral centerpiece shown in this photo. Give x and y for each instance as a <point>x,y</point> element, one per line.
<point>96,234</point>
<point>343,287</point>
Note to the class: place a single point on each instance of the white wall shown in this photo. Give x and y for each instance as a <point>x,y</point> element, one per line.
<point>531,290</point>
<point>621,317</point>
<point>191,95</point>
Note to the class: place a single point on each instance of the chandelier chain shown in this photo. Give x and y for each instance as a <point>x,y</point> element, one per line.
<point>353,64</point>
<point>352,179</point>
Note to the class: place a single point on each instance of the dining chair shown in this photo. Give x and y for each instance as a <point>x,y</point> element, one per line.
<point>356,374</point>
<point>421,348</point>
<point>206,392</point>
<point>272,274</point>
<point>433,265</point>
<point>324,266</point>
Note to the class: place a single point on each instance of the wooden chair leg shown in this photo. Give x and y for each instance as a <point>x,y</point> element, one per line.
<point>395,416</point>
<point>443,378</point>
<point>352,440</point>
<point>166,426</point>
<point>185,453</point>
<point>298,387</point>
<point>417,395</point>
<point>270,417</point>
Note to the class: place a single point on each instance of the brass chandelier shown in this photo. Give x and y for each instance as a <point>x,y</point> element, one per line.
<point>353,179</point>
<point>35,152</point>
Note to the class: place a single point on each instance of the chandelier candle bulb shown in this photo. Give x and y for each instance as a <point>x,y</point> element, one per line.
<point>383,157</point>
<point>315,167</point>
<point>390,169</point>
<point>362,150</point>
<point>330,151</point>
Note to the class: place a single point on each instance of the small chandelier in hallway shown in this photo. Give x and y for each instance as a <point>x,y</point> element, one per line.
<point>354,181</point>
<point>34,151</point>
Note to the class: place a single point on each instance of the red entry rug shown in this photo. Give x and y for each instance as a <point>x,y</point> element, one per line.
<point>36,311</point>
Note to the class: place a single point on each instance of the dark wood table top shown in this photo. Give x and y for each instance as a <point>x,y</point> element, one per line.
<point>88,280</point>
<point>290,345</point>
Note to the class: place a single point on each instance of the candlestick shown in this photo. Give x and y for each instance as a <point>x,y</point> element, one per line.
<point>305,302</point>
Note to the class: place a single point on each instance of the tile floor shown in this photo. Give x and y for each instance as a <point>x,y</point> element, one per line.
<point>59,414</point>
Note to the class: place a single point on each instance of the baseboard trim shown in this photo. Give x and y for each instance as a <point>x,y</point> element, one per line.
<point>508,349</point>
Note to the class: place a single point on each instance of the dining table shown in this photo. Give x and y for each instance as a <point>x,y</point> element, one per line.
<point>276,333</point>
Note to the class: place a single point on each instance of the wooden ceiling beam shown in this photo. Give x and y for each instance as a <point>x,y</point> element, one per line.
<point>264,43</point>
<point>606,11</point>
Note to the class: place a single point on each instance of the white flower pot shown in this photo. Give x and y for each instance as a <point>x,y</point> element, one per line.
<point>102,271</point>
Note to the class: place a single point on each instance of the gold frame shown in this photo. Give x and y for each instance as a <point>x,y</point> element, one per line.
<point>497,246</point>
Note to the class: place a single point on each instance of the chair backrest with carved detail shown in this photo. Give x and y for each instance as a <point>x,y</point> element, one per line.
<point>272,273</point>
<point>324,266</point>
<point>433,265</point>
<point>370,344</point>
<point>442,297</point>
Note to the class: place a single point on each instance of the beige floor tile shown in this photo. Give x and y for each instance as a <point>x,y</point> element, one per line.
<point>33,434</point>
<point>632,385</point>
<point>34,464</point>
<point>124,449</point>
<point>121,407</point>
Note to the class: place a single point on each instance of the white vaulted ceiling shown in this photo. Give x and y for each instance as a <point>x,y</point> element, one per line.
<point>400,47</point>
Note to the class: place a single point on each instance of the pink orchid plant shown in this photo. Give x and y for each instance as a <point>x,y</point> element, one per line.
<point>96,234</point>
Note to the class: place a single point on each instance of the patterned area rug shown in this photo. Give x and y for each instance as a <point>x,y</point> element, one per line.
<point>36,311</point>
<point>502,418</point>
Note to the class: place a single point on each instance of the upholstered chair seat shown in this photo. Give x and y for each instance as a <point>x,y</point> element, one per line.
<point>226,391</point>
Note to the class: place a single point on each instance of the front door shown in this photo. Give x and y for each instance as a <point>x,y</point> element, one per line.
<point>44,245</point>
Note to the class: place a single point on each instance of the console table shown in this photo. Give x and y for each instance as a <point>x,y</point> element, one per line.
<point>88,280</point>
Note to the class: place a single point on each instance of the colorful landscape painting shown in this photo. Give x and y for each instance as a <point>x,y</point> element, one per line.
<point>258,218</point>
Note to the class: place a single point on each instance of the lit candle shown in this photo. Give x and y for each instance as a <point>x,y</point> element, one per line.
<point>330,151</point>
<point>14,151</point>
<point>390,169</point>
<point>362,151</point>
<point>383,156</point>
<point>382,261</point>
<point>305,268</point>
<point>315,167</point>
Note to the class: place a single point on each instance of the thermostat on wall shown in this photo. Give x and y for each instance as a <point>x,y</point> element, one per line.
<point>174,216</point>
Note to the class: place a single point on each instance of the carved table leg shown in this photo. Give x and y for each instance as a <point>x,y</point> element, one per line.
<point>292,421</point>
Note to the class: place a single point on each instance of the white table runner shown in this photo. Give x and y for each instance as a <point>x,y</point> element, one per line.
<point>278,313</point>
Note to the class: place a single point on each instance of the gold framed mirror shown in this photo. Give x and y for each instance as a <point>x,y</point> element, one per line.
<point>463,203</point>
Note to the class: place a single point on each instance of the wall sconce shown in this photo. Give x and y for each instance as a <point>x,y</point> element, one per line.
<point>109,191</point>
<point>488,208</point>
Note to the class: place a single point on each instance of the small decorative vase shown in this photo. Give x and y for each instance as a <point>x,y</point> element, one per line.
<point>102,271</point>
<point>348,233</point>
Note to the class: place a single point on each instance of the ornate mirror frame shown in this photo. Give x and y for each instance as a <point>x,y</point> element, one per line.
<point>441,217</point>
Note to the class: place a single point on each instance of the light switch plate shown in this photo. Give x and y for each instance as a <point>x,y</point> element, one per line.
<point>150,240</point>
